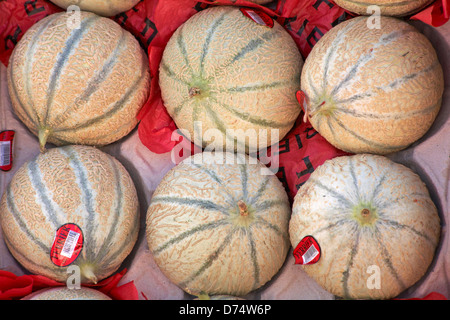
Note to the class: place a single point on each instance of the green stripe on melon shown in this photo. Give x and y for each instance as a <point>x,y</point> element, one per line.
<point>373,90</point>
<point>375,223</point>
<point>218,227</point>
<point>86,88</point>
<point>224,70</point>
<point>72,184</point>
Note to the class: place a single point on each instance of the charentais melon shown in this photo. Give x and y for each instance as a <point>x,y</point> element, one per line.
<point>375,223</point>
<point>231,81</point>
<point>78,84</point>
<point>373,90</point>
<point>218,225</point>
<point>79,186</point>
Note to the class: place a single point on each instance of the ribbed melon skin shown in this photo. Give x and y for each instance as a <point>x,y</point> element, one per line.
<point>373,90</point>
<point>64,293</point>
<point>72,184</point>
<point>106,8</point>
<point>395,8</point>
<point>246,75</point>
<point>84,86</point>
<point>198,237</point>
<point>399,235</point>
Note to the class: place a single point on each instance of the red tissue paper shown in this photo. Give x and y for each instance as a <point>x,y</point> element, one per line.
<point>13,287</point>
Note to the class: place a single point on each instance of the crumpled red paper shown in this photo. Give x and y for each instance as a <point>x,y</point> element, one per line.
<point>14,287</point>
<point>300,153</point>
<point>435,14</point>
<point>16,17</point>
<point>430,296</point>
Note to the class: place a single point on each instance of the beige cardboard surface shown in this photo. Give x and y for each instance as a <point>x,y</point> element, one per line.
<point>429,157</point>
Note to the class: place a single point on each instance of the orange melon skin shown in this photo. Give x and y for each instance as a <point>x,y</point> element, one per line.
<point>373,90</point>
<point>395,8</point>
<point>78,85</point>
<point>106,8</point>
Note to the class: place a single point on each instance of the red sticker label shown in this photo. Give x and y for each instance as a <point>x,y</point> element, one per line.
<point>307,251</point>
<point>67,244</point>
<point>6,154</point>
<point>301,96</point>
<point>257,16</point>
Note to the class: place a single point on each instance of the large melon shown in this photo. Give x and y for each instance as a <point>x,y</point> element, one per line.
<point>396,8</point>
<point>373,90</point>
<point>219,227</point>
<point>78,85</point>
<point>77,185</point>
<point>226,72</point>
<point>375,224</point>
<point>64,293</point>
<point>105,8</point>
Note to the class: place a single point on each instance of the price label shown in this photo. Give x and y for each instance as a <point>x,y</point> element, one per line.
<point>307,251</point>
<point>67,245</point>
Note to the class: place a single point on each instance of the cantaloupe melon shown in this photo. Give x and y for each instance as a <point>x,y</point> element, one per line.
<point>105,8</point>
<point>77,185</point>
<point>64,293</point>
<point>218,226</point>
<point>227,72</point>
<point>373,90</point>
<point>396,8</point>
<point>78,85</point>
<point>374,221</point>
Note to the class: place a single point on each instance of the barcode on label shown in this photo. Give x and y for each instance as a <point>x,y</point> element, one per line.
<point>310,254</point>
<point>70,243</point>
<point>5,153</point>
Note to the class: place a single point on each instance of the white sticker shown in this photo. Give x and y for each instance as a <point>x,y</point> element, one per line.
<point>70,243</point>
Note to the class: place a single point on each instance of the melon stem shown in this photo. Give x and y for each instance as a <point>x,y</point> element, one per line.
<point>194,91</point>
<point>243,210</point>
<point>88,273</point>
<point>203,296</point>
<point>43,136</point>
